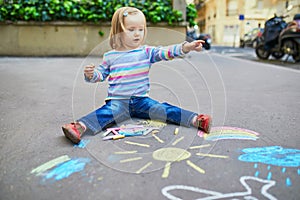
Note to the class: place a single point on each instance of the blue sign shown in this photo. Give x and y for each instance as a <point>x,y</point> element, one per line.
<point>241,17</point>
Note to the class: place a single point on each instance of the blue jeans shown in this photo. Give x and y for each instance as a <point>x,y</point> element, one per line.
<point>117,111</point>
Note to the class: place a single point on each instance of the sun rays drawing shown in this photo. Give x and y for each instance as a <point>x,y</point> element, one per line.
<point>154,156</point>
<point>167,156</point>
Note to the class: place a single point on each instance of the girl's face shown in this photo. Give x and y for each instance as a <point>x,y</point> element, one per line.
<point>133,35</point>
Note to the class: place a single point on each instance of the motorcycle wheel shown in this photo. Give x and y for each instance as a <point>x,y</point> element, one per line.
<point>292,48</point>
<point>242,44</point>
<point>254,44</point>
<point>296,56</point>
<point>207,46</point>
<point>278,54</point>
<point>261,52</point>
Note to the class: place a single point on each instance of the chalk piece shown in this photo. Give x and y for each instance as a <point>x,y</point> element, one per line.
<point>113,137</point>
<point>116,137</point>
<point>106,133</point>
<point>110,137</point>
<point>155,131</point>
<point>176,131</point>
<point>114,132</point>
<point>148,131</point>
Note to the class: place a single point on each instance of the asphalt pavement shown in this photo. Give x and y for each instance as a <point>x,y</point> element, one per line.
<point>252,151</point>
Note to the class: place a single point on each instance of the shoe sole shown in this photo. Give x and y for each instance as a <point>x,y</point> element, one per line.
<point>207,130</point>
<point>70,136</point>
<point>209,126</point>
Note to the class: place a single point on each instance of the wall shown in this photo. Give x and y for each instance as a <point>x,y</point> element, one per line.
<point>227,30</point>
<point>70,38</point>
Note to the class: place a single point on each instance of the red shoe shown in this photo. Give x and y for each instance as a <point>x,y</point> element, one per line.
<point>203,122</point>
<point>73,131</point>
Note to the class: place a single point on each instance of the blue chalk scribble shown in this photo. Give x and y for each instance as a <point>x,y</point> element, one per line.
<point>273,155</point>
<point>288,182</point>
<point>82,144</point>
<point>269,176</point>
<point>65,169</point>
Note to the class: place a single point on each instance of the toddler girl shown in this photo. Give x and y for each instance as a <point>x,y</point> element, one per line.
<point>126,68</point>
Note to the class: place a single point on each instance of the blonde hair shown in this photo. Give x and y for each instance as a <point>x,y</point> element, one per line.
<point>117,25</point>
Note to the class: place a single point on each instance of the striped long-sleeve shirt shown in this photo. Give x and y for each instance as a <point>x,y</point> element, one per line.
<point>127,72</point>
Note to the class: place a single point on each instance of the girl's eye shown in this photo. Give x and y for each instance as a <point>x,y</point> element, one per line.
<point>131,29</point>
<point>141,29</point>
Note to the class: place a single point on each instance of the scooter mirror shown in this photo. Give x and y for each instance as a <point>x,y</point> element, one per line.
<point>289,8</point>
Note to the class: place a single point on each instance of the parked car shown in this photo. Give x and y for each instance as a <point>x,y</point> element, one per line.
<point>251,38</point>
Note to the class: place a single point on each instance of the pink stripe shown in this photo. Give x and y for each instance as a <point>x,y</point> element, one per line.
<point>169,54</point>
<point>127,76</point>
<point>125,65</point>
<point>220,128</point>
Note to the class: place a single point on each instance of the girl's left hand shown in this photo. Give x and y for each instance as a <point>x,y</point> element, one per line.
<point>192,46</point>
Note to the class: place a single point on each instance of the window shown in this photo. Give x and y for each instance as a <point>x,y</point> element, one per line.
<point>260,4</point>
<point>231,7</point>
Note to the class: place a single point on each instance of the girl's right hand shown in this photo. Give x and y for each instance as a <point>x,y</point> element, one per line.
<point>89,71</point>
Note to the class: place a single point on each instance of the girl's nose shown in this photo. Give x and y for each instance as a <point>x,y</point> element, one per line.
<point>136,33</point>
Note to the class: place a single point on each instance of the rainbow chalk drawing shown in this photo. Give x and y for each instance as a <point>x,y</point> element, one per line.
<point>60,168</point>
<point>209,194</point>
<point>227,133</point>
<point>272,155</point>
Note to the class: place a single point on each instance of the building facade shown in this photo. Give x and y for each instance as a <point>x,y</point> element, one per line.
<point>228,20</point>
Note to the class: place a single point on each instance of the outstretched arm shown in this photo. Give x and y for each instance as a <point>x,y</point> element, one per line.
<point>192,46</point>
<point>169,52</point>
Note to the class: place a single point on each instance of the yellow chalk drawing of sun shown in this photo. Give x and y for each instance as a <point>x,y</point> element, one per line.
<point>169,155</point>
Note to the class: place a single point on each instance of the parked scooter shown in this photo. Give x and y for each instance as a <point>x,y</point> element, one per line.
<point>280,38</point>
<point>191,36</point>
<point>207,39</point>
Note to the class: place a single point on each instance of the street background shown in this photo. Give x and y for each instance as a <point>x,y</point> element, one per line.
<point>244,96</point>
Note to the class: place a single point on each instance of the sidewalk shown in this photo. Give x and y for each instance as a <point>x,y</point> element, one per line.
<point>248,53</point>
<point>256,104</point>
